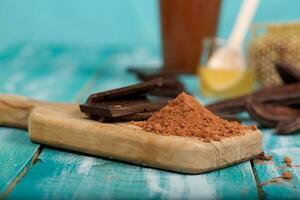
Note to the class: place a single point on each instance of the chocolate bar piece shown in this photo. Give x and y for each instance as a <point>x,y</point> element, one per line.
<point>171,87</point>
<point>112,109</point>
<point>129,103</point>
<point>152,73</point>
<point>166,92</point>
<point>132,117</point>
<point>129,92</point>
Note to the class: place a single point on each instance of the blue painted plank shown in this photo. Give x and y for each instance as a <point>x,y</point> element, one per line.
<point>16,155</point>
<point>279,147</point>
<point>68,175</point>
<point>49,73</point>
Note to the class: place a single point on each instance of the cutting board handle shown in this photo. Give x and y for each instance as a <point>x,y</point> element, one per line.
<point>15,110</point>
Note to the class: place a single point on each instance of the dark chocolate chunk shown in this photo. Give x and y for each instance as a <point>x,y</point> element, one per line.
<point>132,117</point>
<point>171,87</point>
<point>147,73</point>
<point>121,108</point>
<point>166,92</point>
<point>132,91</point>
<point>135,102</point>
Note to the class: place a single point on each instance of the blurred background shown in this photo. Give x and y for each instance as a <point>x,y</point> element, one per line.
<point>114,23</point>
<point>76,36</point>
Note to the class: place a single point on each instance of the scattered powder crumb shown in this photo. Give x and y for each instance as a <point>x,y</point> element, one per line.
<point>263,156</point>
<point>253,127</point>
<point>273,180</point>
<point>288,161</point>
<point>185,116</point>
<point>286,175</point>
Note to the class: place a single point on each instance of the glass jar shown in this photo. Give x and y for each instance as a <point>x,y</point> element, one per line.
<point>224,81</point>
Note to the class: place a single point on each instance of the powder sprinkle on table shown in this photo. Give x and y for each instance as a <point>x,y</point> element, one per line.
<point>287,160</point>
<point>263,156</point>
<point>286,175</point>
<point>185,116</point>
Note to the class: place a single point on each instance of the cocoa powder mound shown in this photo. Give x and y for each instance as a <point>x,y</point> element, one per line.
<point>185,116</point>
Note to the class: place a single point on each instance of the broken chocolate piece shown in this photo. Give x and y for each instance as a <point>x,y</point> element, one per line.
<point>126,103</point>
<point>112,109</point>
<point>288,73</point>
<point>171,87</point>
<point>270,115</point>
<point>288,126</point>
<point>131,91</point>
<point>166,92</point>
<point>127,118</point>
<point>147,73</point>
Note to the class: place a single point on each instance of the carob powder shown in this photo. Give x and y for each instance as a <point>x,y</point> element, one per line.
<point>185,116</point>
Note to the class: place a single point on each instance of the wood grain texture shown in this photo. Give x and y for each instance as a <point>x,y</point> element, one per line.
<point>48,73</point>
<point>15,110</point>
<point>268,171</point>
<point>69,175</point>
<point>16,154</point>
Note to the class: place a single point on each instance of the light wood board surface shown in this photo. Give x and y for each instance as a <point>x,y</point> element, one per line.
<point>71,130</point>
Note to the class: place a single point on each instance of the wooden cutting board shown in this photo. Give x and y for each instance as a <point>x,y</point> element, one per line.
<point>64,126</point>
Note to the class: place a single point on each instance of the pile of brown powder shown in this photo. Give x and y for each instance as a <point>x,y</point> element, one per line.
<point>185,116</point>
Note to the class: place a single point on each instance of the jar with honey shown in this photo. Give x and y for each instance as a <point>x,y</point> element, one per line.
<point>223,81</point>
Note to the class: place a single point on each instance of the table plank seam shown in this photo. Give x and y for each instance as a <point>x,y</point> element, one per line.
<point>25,169</point>
<point>258,183</point>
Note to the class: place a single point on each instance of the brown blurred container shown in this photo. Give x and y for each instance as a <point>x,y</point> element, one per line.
<point>184,25</point>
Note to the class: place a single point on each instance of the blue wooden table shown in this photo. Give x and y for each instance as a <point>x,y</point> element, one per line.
<point>32,171</point>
